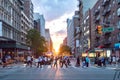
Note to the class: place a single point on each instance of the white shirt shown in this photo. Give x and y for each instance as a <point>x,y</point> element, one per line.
<point>114,59</point>
<point>40,59</point>
<point>28,58</point>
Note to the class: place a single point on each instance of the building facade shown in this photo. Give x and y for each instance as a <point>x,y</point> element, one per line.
<point>40,23</point>
<point>70,35</point>
<point>77,31</point>
<point>65,41</point>
<point>88,4</point>
<point>28,10</point>
<point>48,40</point>
<point>87,31</point>
<point>85,24</point>
<point>106,18</point>
<point>10,26</point>
<point>25,26</point>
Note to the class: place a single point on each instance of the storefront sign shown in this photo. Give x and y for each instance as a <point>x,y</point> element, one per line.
<point>98,50</point>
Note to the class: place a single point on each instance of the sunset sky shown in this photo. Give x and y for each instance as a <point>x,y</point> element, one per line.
<point>56,13</point>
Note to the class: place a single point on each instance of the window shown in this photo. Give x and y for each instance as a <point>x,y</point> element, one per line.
<point>99,8</point>
<point>118,36</point>
<point>118,1</point>
<point>113,15</point>
<point>118,24</point>
<point>118,12</point>
<point>113,2</point>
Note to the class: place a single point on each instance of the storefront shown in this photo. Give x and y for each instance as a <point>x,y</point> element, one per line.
<point>117,49</point>
<point>12,48</point>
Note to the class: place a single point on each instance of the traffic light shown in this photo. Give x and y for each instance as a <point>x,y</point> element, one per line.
<point>99,29</point>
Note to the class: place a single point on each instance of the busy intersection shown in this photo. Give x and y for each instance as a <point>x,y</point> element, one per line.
<point>21,72</point>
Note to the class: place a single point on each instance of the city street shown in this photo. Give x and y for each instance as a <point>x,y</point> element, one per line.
<point>47,73</point>
<point>81,38</point>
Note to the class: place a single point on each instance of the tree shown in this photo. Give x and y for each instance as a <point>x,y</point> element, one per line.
<point>64,49</point>
<point>36,42</point>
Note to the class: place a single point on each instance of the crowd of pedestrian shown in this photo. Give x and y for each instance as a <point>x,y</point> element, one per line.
<point>62,61</point>
<point>45,60</point>
<point>103,61</point>
<point>6,60</point>
<point>84,62</point>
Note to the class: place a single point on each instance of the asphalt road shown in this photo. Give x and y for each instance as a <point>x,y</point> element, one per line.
<point>48,73</point>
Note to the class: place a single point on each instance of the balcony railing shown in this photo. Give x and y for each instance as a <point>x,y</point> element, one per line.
<point>96,44</point>
<point>97,12</point>
<point>104,12</point>
<point>105,2</point>
<point>107,41</point>
<point>108,10</point>
<point>107,33</point>
<point>97,36</point>
<point>107,22</point>
<point>97,19</point>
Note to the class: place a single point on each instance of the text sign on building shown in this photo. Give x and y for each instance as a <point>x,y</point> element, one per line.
<point>109,29</point>
<point>0,28</point>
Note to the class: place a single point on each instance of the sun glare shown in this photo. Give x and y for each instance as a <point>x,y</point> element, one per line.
<point>56,49</point>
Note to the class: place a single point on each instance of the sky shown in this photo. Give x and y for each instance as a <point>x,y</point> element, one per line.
<point>56,13</point>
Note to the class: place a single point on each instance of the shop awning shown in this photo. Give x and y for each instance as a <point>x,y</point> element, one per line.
<point>19,46</point>
<point>101,46</point>
<point>92,51</point>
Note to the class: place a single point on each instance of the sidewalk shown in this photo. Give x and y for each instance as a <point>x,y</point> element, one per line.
<point>11,66</point>
<point>10,69</point>
<point>108,66</point>
<point>73,62</point>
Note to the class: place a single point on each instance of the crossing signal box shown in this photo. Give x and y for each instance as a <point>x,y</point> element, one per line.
<point>99,29</point>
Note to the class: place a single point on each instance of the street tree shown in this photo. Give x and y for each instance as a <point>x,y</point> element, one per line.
<point>36,42</point>
<point>65,50</point>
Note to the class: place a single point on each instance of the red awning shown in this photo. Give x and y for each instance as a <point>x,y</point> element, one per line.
<point>87,50</point>
<point>100,47</point>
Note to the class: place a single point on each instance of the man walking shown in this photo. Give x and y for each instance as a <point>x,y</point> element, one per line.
<point>64,61</point>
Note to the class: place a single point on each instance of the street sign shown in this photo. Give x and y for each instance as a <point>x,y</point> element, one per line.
<point>109,29</point>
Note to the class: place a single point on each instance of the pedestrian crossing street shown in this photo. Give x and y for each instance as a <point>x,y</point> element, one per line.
<point>51,73</point>
<point>23,67</point>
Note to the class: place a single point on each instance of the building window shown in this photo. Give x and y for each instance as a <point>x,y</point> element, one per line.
<point>118,12</point>
<point>110,17</point>
<point>113,15</point>
<point>118,24</point>
<point>99,8</point>
<point>118,1</point>
<point>118,36</point>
